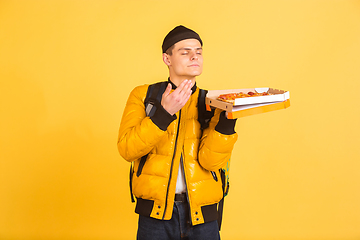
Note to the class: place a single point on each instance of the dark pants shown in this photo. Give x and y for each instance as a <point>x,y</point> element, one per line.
<point>178,227</point>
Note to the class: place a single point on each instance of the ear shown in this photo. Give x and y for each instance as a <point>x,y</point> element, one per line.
<point>166,59</point>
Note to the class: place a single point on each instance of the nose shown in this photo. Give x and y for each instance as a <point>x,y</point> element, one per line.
<point>194,56</point>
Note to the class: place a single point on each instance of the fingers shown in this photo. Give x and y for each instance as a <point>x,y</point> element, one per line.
<point>167,90</point>
<point>174,101</point>
<point>184,88</point>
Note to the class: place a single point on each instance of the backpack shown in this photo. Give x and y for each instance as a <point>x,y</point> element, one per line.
<point>152,101</point>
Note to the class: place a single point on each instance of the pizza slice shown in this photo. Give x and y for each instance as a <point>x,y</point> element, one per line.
<point>230,97</point>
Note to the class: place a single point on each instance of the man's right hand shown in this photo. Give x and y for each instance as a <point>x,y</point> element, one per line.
<point>173,102</point>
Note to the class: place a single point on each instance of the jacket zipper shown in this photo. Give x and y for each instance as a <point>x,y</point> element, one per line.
<point>171,167</point>
<point>186,187</point>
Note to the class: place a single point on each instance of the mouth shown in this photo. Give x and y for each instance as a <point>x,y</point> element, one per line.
<point>194,65</point>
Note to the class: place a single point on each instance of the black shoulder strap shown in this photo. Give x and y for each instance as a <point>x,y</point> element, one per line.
<point>204,119</point>
<point>221,203</point>
<point>152,101</point>
<point>204,116</point>
<point>130,182</point>
<point>153,97</point>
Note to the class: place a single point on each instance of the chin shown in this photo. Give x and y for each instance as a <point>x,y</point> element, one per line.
<point>195,73</point>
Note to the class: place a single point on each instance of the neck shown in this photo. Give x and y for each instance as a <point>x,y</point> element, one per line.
<point>177,80</point>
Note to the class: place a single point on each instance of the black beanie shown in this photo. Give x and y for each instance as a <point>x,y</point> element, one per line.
<point>178,34</point>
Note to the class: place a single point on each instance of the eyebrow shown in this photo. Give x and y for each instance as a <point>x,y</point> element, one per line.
<point>187,48</point>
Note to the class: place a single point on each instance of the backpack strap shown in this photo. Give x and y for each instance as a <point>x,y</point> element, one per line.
<point>130,182</point>
<point>204,119</point>
<point>221,203</point>
<point>204,116</point>
<point>152,101</point>
<point>153,97</point>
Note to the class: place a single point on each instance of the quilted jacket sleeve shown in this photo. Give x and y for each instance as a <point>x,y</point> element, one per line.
<point>138,134</point>
<point>217,142</point>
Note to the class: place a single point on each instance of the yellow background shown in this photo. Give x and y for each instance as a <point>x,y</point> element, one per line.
<point>67,67</point>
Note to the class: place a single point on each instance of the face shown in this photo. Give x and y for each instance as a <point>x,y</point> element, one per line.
<point>186,60</point>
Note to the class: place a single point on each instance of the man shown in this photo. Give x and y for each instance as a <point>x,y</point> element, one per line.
<point>178,186</point>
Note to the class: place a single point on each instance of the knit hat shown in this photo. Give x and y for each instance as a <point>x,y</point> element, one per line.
<point>178,34</point>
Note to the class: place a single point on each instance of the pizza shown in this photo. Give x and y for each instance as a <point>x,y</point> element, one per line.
<point>230,97</point>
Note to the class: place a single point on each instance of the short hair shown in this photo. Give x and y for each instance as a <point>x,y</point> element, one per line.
<point>169,50</point>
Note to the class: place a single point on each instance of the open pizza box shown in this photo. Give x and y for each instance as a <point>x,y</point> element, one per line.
<point>248,106</point>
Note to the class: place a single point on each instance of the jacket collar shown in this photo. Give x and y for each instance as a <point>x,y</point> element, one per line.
<point>193,89</point>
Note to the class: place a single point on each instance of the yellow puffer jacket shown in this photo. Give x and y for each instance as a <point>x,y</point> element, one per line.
<point>165,138</point>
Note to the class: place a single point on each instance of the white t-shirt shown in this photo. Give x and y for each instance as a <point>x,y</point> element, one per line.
<point>180,183</point>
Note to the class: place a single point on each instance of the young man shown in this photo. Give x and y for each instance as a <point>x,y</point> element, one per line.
<point>178,185</point>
